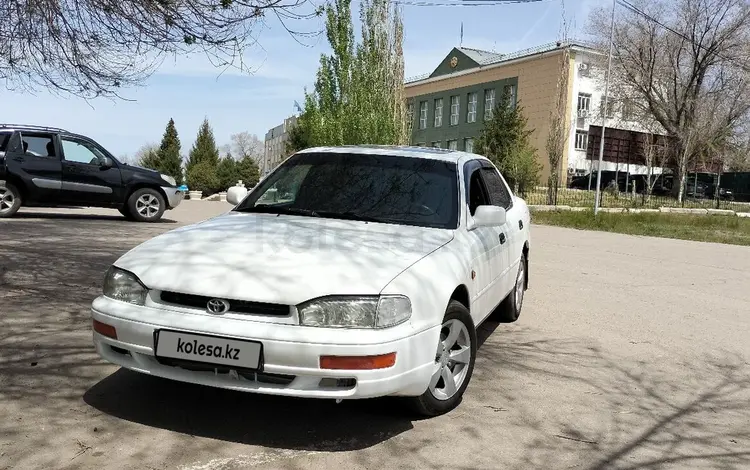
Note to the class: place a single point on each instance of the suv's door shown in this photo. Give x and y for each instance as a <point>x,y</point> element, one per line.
<point>488,245</point>
<point>34,158</point>
<point>500,196</point>
<point>85,180</point>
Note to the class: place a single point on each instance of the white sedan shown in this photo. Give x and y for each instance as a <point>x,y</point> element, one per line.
<point>348,272</point>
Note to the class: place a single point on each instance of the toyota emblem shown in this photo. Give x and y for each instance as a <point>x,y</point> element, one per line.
<point>217,306</point>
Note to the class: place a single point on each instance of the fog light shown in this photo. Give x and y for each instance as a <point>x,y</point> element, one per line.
<point>382,361</point>
<point>105,330</point>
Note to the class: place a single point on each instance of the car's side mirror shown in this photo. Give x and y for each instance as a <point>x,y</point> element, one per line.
<point>106,162</point>
<point>236,194</point>
<point>489,216</point>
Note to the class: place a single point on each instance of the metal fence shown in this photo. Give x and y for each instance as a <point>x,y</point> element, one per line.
<point>615,199</point>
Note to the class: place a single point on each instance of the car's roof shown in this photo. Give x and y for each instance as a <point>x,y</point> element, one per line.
<point>432,153</point>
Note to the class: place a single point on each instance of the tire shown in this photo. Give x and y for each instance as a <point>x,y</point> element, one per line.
<point>146,205</point>
<point>510,309</point>
<point>437,399</point>
<point>126,213</point>
<point>10,200</point>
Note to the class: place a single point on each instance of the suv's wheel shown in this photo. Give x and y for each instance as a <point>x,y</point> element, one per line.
<point>10,200</point>
<point>146,205</point>
<point>510,309</point>
<point>454,363</point>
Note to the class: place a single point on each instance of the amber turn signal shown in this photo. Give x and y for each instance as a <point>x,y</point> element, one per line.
<point>382,361</point>
<point>105,330</point>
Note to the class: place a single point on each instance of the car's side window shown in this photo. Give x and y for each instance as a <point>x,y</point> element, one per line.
<point>78,152</point>
<point>499,194</point>
<point>477,192</point>
<point>38,144</point>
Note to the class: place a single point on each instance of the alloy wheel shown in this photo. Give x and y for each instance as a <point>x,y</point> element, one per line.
<point>451,360</point>
<point>7,199</point>
<point>147,205</point>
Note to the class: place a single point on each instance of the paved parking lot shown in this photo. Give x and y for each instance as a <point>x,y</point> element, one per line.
<point>630,353</point>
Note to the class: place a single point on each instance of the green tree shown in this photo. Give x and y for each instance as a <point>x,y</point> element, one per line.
<point>248,171</point>
<point>505,140</point>
<point>359,89</point>
<point>204,149</point>
<point>297,138</point>
<point>202,177</point>
<point>226,171</point>
<point>170,159</point>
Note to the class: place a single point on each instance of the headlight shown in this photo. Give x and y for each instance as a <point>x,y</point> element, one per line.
<point>169,180</point>
<point>356,311</point>
<point>124,286</point>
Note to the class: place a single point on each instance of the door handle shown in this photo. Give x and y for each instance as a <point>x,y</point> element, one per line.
<point>502,238</point>
<point>520,224</point>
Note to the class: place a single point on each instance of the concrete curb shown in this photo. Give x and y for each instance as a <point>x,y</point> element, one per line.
<point>619,210</point>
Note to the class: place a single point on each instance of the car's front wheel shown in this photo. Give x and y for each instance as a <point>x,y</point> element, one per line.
<point>454,363</point>
<point>10,200</point>
<point>146,205</point>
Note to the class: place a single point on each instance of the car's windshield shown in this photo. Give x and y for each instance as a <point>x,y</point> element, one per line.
<point>376,188</point>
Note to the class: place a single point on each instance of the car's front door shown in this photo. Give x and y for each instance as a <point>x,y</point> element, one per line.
<point>488,245</point>
<point>35,159</point>
<point>85,180</point>
<point>500,196</point>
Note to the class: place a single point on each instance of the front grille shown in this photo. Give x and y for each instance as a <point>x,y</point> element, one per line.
<point>236,306</point>
<point>262,377</point>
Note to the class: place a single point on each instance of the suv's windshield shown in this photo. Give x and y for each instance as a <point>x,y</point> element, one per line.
<point>376,188</point>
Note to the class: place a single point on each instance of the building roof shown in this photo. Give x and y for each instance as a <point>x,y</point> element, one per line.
<point>483,59</point>
<point>432,153</point>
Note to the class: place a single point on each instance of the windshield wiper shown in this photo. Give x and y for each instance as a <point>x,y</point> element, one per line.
<point>274,209</point>
<point>348,216</point>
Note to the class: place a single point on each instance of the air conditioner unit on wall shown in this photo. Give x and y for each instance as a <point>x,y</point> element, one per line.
<point>583,66</point>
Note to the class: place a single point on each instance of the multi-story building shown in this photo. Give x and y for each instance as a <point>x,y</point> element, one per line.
<point>274,150</point>
<point>448,107</point>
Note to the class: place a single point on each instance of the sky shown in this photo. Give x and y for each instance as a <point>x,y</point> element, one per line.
<point>190,88</point>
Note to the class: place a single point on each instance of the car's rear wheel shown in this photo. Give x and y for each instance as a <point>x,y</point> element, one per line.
<point>510,309</point>
<point>454,363</point>
<point>146,205</point>
<point>10,200</point>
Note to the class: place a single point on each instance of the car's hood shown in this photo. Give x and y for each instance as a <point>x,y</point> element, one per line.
<point>280,259</point>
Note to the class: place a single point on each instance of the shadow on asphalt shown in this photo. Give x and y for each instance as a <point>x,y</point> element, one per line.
<point>82,216</point>
<point>254,419</point>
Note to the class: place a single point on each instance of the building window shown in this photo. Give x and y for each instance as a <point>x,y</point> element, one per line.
<point>582,140</point>
<point>453,144</point>
<point>510,92</point>
<point>410,114</point>
<point>469,145</point>
<point>438,112</point>
<point>489,103</point>
<point>584,104</point>
<point>627,109</point>
<point>454,110</point>
<point>436,144</point>
<point>471,110</point>
<point>423,114</point>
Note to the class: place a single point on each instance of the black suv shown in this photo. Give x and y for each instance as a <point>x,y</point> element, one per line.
<point>48,167</point>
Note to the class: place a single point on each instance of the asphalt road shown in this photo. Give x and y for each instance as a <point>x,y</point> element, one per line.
<point>630,353</point>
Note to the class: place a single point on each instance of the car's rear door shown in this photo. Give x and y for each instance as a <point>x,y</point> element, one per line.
<point>84,179</point>
<point>34,158</point>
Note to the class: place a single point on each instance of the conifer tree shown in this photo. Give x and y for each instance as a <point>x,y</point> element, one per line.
<point>170,160</point>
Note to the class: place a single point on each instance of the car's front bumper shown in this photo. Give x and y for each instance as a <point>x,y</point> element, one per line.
<point>291,354</point>
<point>174,196</point>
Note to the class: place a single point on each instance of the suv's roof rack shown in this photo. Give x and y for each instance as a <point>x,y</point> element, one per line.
<point>31,127</point>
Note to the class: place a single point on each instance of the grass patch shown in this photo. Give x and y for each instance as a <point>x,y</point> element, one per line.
<point>704,228</point>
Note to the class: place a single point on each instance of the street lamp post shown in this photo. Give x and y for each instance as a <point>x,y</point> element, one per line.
<point>604,110</point>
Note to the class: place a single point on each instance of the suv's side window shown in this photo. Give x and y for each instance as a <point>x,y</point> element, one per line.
<point>38,144</point>
<point>477,192</point>
<point>79,152</point>
<point>499,194</point>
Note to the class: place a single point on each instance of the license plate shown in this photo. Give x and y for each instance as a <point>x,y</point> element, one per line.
<point>218,350</point>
